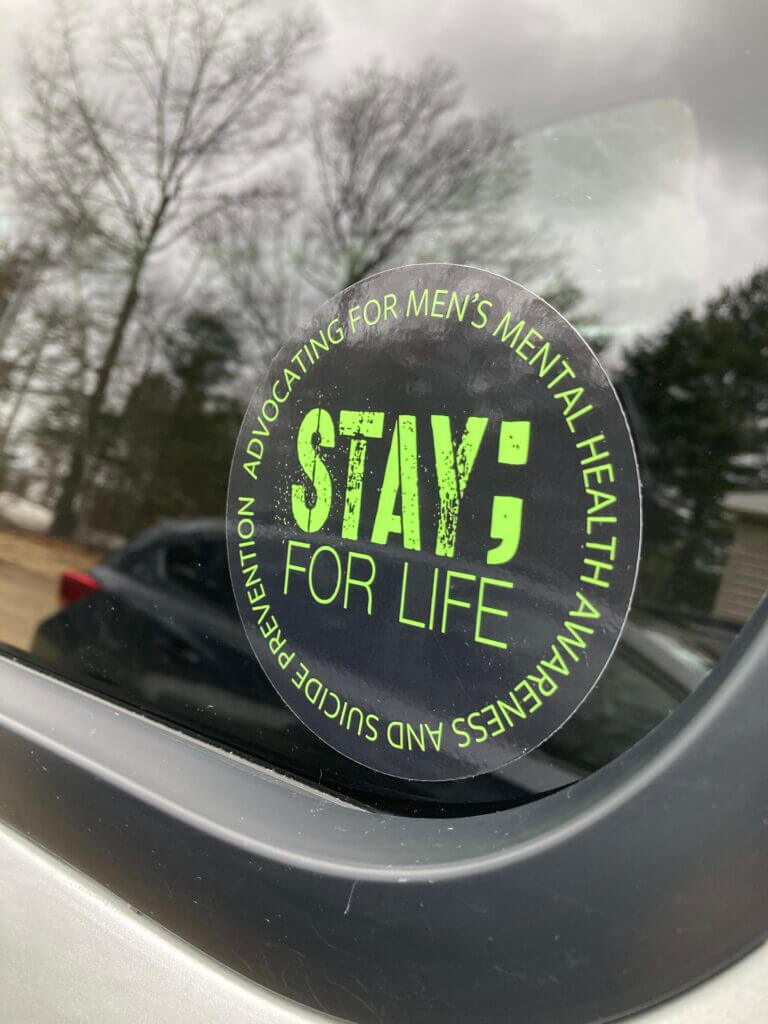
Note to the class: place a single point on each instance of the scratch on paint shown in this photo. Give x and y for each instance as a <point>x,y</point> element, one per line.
<point>349,900</point>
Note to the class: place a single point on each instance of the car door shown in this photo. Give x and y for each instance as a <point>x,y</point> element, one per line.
<point>251,261</point>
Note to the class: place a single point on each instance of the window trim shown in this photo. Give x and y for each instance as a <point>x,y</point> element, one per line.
<point>585,905</point>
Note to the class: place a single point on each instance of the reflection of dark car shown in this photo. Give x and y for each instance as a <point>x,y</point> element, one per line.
<point>155,625</point>
<point>655,667</point>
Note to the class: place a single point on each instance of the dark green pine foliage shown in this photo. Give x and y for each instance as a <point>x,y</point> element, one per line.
<point>698,399</point>
<point>169,451</point>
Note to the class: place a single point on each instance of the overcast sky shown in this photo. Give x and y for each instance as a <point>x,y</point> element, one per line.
<point>644,123</point>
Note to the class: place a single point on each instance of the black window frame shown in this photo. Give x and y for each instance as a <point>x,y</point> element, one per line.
<point>583,906</point>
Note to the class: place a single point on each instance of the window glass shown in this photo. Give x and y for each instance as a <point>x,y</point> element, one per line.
<point>200,567</point>
<point>180,190</point>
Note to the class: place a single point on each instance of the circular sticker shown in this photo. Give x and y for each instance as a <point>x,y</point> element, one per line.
<point>433,522</point>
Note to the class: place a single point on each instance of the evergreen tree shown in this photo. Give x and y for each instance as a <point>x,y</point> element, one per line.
<point>167,454</point>
<point>699,396</point>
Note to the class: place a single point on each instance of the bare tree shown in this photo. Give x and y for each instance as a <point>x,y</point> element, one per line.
<point>257,254</point>
<point>131,138</point>
<point>19,274</point>
<point>398,171</point>
<point>397,159</point>
<point>394,168</point>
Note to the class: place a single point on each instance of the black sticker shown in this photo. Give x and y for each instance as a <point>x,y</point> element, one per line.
<point>434,522</point>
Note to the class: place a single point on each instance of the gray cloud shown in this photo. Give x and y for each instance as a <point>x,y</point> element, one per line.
<point>655,205</point>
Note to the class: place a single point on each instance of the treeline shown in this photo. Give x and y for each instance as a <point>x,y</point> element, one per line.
<point>179,198</point>
<point>697,396</point>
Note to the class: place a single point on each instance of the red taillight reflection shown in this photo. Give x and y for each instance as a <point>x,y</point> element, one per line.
<point>75,585</point>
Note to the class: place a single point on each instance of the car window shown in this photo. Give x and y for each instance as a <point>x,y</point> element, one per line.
<point>627,703</point>
<point>145,565</point>
<point>200,568</point>
<point>175,205</point>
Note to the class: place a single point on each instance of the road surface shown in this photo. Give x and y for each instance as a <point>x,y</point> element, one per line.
<point>30,567</point>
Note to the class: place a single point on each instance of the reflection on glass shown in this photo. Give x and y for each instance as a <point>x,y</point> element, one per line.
<point>745,575</point>
<point>178,192</point>
<point>155,624</point>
